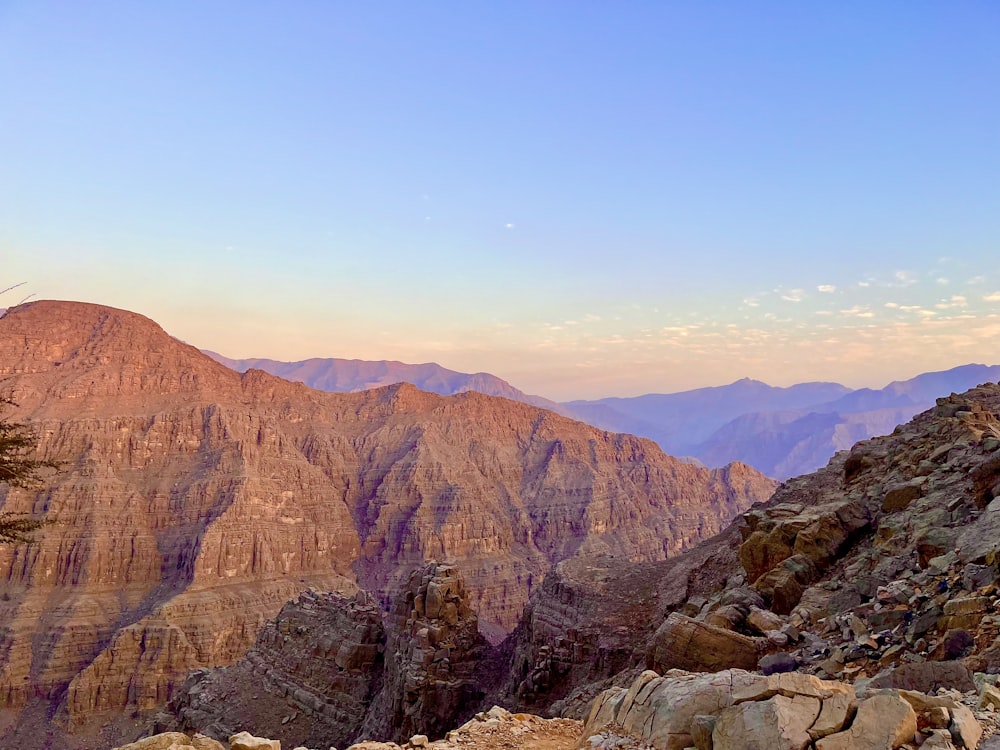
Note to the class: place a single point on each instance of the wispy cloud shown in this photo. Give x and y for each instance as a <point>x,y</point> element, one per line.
<point>995,297</point>
<point>826,288</point>
<point>794,295</point>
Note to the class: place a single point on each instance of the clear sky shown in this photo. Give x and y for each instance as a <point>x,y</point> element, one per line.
<point>585,198</point>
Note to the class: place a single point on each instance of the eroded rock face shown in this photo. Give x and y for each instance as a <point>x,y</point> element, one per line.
<point>437,662</point>
<point>313,672</point>
<point>195,501</point>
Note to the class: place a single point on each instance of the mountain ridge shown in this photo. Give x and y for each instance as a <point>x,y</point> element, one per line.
<point>772,428</point>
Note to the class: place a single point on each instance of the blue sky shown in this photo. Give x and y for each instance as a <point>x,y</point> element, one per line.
<point>584,198</point>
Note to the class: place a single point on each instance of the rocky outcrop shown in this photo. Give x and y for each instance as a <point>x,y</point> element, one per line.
<point>437,664</point>
<point>330,670</point>
<point>195,501</point>
<point>313,672</point>
<point>737,710</point>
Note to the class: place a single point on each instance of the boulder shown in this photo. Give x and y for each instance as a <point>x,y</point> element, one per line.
<point>778,723</point>
<point>684,643</point>
<point>926,677</point>
<point>883,722</point>
<point>164,741</point>
<point>836,713</point>
<point>246,741</point>
<point>661,711</point>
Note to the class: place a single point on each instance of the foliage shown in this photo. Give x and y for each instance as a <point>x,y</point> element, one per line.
<point>18,469</point>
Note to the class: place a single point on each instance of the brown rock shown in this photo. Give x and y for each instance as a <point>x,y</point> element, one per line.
<point>836,713</point>
<point>926,677</point>
<point>883,722</point>
<point>683,643</point>
<point>784,585</point>
<point>899,496</point>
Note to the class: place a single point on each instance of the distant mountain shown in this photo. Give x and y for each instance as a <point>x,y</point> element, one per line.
<point>680,422</point>
<point>352,375</point>
<point>782,432</point>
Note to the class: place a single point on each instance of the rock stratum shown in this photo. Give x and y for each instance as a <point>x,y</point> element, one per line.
<point>194,501</point>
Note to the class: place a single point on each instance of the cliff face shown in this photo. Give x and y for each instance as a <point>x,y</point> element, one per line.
<point>194,501</point>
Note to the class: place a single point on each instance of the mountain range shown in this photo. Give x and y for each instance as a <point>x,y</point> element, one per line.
<point>782,432</point>
<point>193,501</point>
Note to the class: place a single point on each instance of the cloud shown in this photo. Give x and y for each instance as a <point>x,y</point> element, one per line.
<point>995,297</point>
<point>826,288</point>
<point>508,225</point>
<point>794,295</point>
<point>858,312</point>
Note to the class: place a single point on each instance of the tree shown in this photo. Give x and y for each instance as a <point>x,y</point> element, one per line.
<point>18,468</point>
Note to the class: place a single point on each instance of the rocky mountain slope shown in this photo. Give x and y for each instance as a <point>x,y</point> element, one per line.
<point>195,501</point>
<point>883,566</point>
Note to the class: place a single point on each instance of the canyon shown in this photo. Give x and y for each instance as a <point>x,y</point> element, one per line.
<point>859,607</point>
<point>193,502</point>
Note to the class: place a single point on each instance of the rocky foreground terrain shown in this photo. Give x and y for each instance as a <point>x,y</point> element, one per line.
<point>857,608</point>
<point>194,502</point>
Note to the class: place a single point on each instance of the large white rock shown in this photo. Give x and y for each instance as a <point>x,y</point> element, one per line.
<point>777,723</point>
<point>883,722</point>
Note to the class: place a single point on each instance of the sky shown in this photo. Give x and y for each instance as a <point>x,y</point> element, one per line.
<point>584,198</point>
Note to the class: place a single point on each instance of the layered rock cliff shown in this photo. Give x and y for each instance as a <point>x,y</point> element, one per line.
<point>194,501</point>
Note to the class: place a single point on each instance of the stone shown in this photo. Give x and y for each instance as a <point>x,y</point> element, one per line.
<point>702,727</point>
<point>835,714</point>
<point>660,711</point>
<point>418,740</point>
<point>883,721</point>
<point>779,662</point>
<point>976,576</point>
<point>938,739</point>
<point>989,695</point>
<point>163,741</point>
<point>899,496</point>
<point>246,741</point>
<point>778,723</point>
<point>790,684</point>
<point>683,643</point>
<point>763,621</point>
<point>965,730</point>
<point>966,605</point>
<point>926,677</point>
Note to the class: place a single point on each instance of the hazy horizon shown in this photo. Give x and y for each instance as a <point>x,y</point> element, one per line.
<point>583,199</point>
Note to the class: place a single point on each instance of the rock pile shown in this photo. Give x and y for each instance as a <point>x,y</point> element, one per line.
<point>496,729</point>
<point>888,557</point>
<point>738,710</point>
